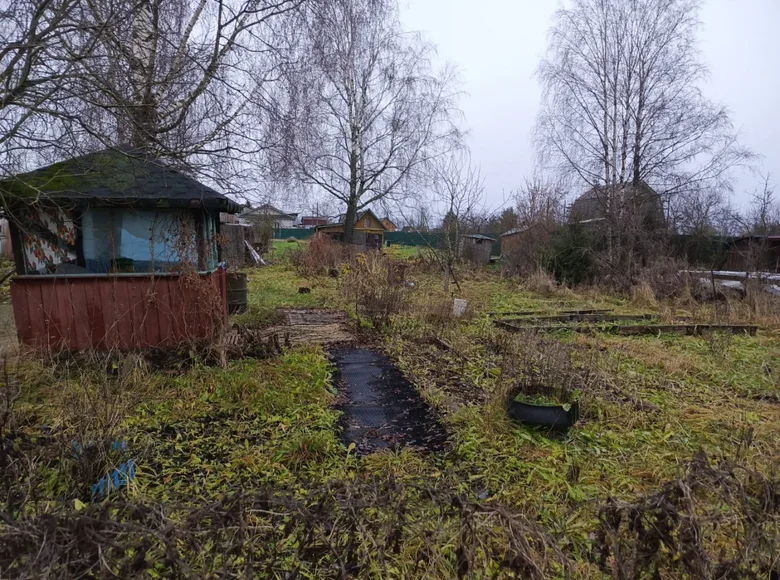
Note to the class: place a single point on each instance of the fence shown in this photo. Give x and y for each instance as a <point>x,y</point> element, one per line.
<point>297,233</point>
<point>400,238</point>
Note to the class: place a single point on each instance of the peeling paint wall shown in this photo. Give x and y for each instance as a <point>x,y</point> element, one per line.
<point>48,238</point>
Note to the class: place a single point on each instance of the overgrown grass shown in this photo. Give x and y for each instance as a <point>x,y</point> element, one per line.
<point>649,405</point>
<point>278,286</point>
<point>280,249</point>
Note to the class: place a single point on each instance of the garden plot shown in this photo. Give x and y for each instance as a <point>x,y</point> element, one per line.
<point>382,409</point>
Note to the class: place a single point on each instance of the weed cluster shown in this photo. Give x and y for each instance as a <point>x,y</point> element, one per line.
<point>321,256</point>
<point>673,530</point>
<point>372,284</point>
<point>381,528</point>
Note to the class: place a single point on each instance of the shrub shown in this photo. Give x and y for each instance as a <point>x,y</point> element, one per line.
<point>320,256</point>
<point>373,287</point>
<point>571,257</point>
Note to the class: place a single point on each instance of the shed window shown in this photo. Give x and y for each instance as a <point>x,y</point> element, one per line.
<point>133,240</point>
<point>367,223</point>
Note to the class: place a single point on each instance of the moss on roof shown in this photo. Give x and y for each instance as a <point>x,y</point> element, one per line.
<point>115,175</point>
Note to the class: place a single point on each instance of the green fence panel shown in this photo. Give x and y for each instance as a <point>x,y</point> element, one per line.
<point>413,239</point>
<point>431,240</point>
<point>427,239</point>
<point>297,233</point>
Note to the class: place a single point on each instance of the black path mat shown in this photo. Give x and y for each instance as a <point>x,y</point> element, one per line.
<point>381,408</point>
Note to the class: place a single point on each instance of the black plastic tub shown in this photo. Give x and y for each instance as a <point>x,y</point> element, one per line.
<point>548,417</point>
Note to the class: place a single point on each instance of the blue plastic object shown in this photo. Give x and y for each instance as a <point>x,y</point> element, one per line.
<point>117,479</point>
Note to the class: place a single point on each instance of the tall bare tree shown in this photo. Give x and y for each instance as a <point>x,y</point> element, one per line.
<point>365,112</point>
<point>175,77</point>
<point>458,193</point>
<point>540,201</point>
<point>41,44</point>
<point>622,107</point>
<point>701,213</point>
<point>762,217</point>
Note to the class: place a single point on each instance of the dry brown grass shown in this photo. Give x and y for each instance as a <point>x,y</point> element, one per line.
<point>541,282</point>
<point>371,284</point>
<point>643,295</point>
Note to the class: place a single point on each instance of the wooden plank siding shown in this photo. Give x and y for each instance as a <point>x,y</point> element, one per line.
<point>123,312</point>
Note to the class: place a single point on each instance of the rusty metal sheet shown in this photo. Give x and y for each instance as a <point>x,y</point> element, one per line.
<point>126,312</point>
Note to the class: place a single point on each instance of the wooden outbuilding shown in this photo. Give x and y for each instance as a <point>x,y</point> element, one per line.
<point>477,248</point>
<point>115,250</point>
<point>389,224</point>
<point>754,254</point>
<point>369,232</point>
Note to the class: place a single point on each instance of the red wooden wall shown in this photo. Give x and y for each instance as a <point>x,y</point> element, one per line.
<point>122,311</point>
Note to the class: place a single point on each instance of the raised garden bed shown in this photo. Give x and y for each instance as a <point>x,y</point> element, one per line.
<point>580,317</point>
<point>544,313</point>
<point>635,329</point>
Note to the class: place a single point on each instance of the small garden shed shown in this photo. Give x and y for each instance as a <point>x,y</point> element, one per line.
<point>477,248</point>
<point>114,249</point>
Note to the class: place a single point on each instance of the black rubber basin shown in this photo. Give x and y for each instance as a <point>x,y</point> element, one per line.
<point>549,417</point>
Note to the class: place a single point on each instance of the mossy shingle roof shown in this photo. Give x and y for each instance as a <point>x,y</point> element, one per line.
<point>119,176</point>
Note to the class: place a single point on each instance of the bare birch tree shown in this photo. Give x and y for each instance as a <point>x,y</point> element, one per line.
<point>623,108</point>
<point>175,77</point>
<point>364,111</point>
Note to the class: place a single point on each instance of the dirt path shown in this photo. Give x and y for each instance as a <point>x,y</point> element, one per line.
<point>382,409</point>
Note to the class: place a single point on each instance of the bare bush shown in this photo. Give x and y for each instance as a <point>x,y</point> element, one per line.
<point>436,310</point>
<point>339,531</point>
<point>376,292</point>
<point>672,530</point>
<point>321,256</point>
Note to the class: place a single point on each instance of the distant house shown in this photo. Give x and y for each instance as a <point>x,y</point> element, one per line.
<point>598,204</point>
<point>102,243</point>
<point>388,223</point>
<point>477,248</point>
<point>369,232</point>
<point>268,214</point>
<point>310,221</point>
<point>754,254</point>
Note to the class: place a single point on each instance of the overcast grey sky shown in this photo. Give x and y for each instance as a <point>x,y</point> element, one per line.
<point>497,45</point>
